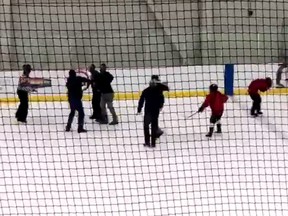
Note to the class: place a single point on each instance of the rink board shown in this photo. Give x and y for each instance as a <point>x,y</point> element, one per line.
<point>136,95</point>
<point>188,81</point>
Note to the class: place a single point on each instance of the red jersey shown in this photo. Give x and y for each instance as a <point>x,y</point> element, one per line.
<point>216,102</point>
<point>258,85</point>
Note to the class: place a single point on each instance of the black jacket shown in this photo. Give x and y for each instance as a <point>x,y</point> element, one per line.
<point>105,82</point>
<point>95,81</point>
<point>74,86</point>
<point>153,98</point>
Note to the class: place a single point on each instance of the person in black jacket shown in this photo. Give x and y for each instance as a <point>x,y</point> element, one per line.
<point>107,96</point>
<point>96,99</point>
<point>23,91</point>
<point>75,93</point>
<point>154,101</point>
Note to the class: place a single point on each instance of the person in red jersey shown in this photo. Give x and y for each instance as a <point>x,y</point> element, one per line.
<point>255,86</point>
<point>216,101</point>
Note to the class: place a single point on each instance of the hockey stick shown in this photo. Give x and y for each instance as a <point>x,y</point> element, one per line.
<point>189,117</point>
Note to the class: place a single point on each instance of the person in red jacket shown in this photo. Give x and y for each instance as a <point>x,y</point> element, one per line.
<point>255,86</point>
<point>216,101</point>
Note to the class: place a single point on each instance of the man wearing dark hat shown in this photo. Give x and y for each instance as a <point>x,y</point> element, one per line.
<point>154,100</point>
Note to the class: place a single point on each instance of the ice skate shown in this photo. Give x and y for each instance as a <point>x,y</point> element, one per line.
<point>280,85</point>
<point>209,134</point>
<point>219,129</point>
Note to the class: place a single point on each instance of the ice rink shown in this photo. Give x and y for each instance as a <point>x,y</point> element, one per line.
<point>243,172</point>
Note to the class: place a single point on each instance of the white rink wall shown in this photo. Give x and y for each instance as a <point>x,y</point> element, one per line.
<point>134,80</point>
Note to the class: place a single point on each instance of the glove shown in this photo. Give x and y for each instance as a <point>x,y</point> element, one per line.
<point>200,109</point>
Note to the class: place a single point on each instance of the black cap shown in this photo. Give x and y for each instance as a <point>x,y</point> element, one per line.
<point>155,77</point>
<point>72,73</point>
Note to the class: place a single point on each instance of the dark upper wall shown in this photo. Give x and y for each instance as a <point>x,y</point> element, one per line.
<point>137,33</point>
<point>63,35</point>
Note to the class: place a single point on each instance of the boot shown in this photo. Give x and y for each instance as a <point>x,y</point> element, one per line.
<point>98,118</point>
<point>219,130</point>
<point>253,114</point>
<point>153,142</point>
<point>114,122</point>
<point>147,137</point>
<point>104,120</point>
<point>146,144</point>
<point>20,121</point>
<point>209,134</point>
<point>81,129</point>
<point>159,133</point>
<point>92,117</point>
<point>259,113</point>
<point>68,128</point>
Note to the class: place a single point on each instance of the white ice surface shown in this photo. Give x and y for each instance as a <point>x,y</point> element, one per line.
<point>244,172</point>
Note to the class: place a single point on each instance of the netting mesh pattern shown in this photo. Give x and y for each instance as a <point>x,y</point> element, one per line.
<point>58,34</point>
<point>107,171</point>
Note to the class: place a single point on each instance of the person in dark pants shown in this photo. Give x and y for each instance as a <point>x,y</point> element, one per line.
<point>255,86</point>
<point>75,93</point>
<point>96,99</point>
<point>23,91</point>
<point>154,101</point>
<point>107,96</point>
<point>163,87</point>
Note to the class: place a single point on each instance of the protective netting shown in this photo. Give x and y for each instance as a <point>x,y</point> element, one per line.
<point>107,171</point>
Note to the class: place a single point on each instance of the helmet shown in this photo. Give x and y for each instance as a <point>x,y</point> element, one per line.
<point>213,87</point>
